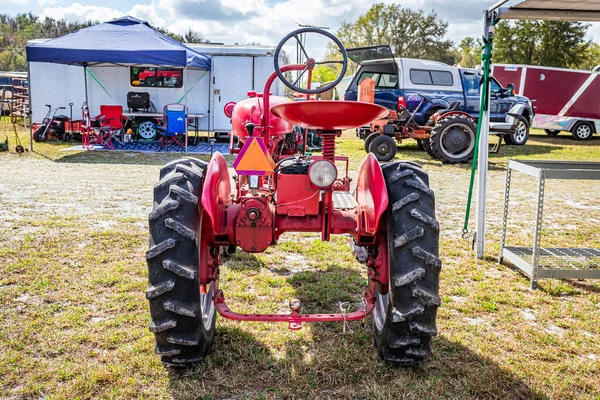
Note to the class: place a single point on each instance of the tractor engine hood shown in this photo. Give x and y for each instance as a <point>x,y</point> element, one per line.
<point>251,110</point>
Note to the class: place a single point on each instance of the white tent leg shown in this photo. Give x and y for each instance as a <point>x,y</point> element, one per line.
<point>482,161</point>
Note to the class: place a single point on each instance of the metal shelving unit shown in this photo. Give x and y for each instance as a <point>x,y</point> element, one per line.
<point>541,262</point>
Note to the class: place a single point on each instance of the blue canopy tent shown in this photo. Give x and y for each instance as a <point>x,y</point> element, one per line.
<point>125,41</point>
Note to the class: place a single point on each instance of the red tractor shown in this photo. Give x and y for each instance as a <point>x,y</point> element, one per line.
<point>390,219</point>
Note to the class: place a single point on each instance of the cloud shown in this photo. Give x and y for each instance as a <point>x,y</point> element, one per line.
<point>15,2</point>
<point>45,3</point>
<point>79,12</point>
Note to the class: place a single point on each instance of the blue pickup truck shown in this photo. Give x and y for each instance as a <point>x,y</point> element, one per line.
<point>398,83</point>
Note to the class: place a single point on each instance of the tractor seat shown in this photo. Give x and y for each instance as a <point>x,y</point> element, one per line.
<point>329,115</point>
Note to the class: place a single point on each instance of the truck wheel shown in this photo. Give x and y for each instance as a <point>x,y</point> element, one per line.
<point>583,130</point>
<point>384,147</point>
<point>182,318</point>
<point>521,135</point>
<point>552,132</point>
<point>369,139</point>
<point>404,318</point>
<point>453,139</point>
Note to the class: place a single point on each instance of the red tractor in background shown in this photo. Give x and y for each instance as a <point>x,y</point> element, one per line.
<point>390,219</point>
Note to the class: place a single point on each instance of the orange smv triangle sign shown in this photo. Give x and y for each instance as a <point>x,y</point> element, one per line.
<point>254,159</point>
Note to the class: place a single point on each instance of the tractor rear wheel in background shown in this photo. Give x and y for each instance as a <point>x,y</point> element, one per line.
<point>383,147</point>
<point>521,135</point>
<point>552,132</point>
<point>582,130</point>
<point>182,317</point>
<point>427,147</point>
<point>453,139</point>
<point>369,139</point>
<point>404,318</point>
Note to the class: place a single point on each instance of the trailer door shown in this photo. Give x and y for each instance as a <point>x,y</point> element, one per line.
<point>232,79</point>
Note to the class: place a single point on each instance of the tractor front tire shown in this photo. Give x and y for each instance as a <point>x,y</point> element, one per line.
<point>404,318</point>
<point>182,319</point>
<point>369,139</point>
<point>383,147</point>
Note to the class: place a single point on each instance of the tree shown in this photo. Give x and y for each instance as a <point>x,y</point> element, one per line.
<point>16,31</point>
<point>469,51</point>
<point>549,43</point>
<point>411,33</point>
<point>592,57</point>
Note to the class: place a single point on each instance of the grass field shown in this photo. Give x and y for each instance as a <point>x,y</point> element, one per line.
<point>73,313</point>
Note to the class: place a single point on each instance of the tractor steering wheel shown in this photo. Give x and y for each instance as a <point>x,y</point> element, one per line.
<point>310,62</point>
<point>427,99</point>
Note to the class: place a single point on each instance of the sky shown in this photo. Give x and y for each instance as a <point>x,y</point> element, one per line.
<point>253,21</point>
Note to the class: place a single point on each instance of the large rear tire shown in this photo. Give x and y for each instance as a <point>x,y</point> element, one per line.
<point>182,319</point>
<point>453,139</point>
<point>427,147</point>
<point>404,318</point>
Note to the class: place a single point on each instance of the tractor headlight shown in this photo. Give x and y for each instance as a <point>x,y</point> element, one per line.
<point>322,173</point>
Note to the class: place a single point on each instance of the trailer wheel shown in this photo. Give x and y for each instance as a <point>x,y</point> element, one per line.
<point>369,139</point>
<point>384,147</point>
<point>521,135</point>
<point>552,132</point>
<point>453,139</point>
<point>404,317</point>
<point>182,316</point>
<point>582,130</point>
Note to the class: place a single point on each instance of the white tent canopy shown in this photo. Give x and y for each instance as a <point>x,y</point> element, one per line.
<point>553,10</point>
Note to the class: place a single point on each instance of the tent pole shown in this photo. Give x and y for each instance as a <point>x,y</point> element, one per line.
<point>482,162</point>
<point>85,85</point>
<point>30,107</point>
<point>186,82</point>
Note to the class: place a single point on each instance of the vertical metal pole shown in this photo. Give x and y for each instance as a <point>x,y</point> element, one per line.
<point>537,236</point>
<point>186,82</point>
<point>482,162</point>
<point>30,107</point>
<point>85,86</point>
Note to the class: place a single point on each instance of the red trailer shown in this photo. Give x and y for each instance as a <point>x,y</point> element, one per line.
<point>565,99</point>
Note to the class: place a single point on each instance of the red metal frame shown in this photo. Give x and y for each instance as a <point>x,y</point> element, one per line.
<point>295,319</point>
<point>255,217</point>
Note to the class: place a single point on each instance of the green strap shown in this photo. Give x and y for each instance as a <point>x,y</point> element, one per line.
<point>98,82</point>
<point>486,58</point>
<point>190,89</point>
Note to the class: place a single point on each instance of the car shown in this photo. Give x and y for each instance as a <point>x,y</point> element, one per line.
<point>400,81</point>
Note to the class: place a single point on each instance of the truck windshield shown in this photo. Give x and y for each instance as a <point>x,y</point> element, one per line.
<point>361,54</point>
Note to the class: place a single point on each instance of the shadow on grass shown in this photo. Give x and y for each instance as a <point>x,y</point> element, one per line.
<point>321,362</point>
<point>126,158</point>
<point>341,367</point>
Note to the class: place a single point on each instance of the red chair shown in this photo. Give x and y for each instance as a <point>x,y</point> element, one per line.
<point>111,119</point>
<point>103,128</point>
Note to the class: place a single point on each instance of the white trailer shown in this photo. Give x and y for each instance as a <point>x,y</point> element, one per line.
<point>235,71</point>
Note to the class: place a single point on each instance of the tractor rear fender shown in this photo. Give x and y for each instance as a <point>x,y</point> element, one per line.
<point>436,117</point>
<point>216,193</point>
<point>371,196</point>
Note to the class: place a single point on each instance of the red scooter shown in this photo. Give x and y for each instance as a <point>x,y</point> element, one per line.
<point>52,125</point>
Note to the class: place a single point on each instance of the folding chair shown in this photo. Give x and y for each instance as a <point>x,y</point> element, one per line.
<point>92,135</point>
<point>112,120</point>
<point>174,130</point>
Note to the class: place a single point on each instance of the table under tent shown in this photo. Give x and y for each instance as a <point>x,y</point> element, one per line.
<point>565,263</point>
<point>104,65</point>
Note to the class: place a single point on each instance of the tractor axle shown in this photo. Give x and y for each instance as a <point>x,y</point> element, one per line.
<point>295,319</point>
